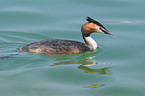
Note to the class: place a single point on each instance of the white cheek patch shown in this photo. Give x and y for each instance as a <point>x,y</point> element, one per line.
<point>98,30</point>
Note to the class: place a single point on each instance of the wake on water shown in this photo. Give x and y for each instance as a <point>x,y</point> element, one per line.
<point>2,57</point>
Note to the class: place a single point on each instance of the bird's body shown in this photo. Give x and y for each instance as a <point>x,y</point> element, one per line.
<point>56,46</point>
<point>59,46</point>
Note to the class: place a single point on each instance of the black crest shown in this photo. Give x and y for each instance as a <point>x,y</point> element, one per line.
<point>95,22</point>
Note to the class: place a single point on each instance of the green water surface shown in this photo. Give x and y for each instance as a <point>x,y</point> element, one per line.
<point>116,68</point>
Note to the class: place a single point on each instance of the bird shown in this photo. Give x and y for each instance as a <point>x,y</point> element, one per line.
<point>62,46</point>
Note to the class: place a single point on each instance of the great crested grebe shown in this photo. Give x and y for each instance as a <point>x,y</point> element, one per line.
<point>59,46</point>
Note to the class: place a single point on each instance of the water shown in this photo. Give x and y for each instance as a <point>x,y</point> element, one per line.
<point>115,69</point>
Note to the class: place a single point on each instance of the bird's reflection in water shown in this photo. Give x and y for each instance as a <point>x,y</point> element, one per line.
<point>95,86</point>
<point>85,62</point>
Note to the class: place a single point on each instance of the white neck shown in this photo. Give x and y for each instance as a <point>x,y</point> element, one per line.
<point>90,42</point>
